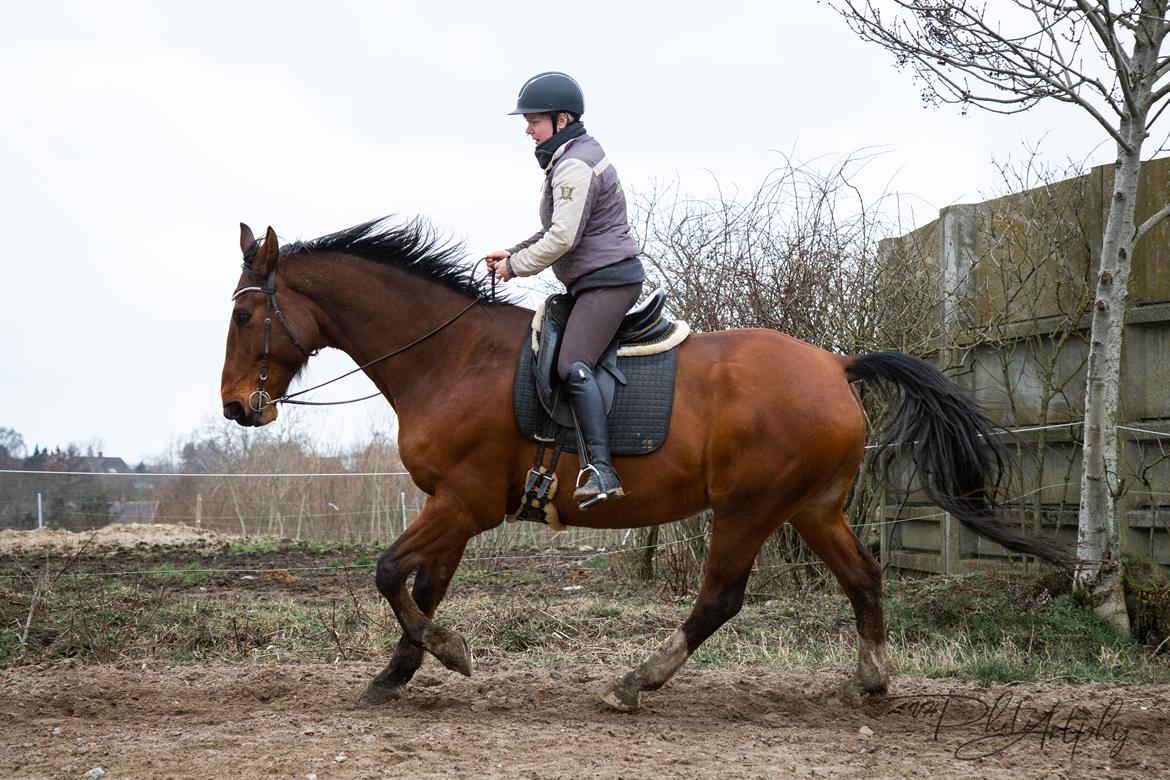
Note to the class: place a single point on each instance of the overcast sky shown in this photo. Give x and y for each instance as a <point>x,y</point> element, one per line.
<point>137,135</point>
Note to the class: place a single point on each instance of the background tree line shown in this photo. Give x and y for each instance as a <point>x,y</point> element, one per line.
<point>344,507</point>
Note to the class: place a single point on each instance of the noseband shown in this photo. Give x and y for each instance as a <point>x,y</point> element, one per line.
<point>260,400</point>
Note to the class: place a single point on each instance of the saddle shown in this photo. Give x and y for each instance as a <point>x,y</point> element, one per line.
<point>636,377</point>
<point>643,325</point>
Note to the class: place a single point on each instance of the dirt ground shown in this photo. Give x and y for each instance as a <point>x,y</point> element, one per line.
<point>517,720</point>
<point>510,720</point>
<point>110,539</point>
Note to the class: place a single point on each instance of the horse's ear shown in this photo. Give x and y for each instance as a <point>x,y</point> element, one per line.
<point>247,240</point>
<point>267,255</point>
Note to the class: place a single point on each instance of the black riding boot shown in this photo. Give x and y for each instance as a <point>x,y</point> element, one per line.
<point>589,413</point>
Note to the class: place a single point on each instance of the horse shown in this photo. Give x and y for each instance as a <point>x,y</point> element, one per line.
<point>765,430</point>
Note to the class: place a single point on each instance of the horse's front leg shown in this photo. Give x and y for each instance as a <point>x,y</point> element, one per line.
<point>432,544</point>
<point>430,585</point>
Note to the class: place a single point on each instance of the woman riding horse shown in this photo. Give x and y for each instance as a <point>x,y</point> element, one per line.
<point>585,237</point>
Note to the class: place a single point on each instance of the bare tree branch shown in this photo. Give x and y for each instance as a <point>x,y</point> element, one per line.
<point>1151,222</point>
<point>941,39</point>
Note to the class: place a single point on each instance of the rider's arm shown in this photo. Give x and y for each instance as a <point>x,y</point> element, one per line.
<point>571,202</point>
<point>527,242</point>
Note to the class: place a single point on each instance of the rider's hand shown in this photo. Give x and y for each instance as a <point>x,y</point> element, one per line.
<point>497,263</point>
<point>493,258</point>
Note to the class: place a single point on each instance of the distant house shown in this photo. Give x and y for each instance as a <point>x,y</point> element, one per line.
<point>100,465</point>
<point>93,464</point>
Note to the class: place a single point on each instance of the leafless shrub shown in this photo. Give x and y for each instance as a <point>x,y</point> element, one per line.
<point>333,506</point>
<point>800,255</point>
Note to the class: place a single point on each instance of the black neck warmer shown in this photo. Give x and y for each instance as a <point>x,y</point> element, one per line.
<point>546,150</point>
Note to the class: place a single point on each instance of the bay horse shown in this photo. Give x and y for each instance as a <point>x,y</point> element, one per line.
<point>766,430</point>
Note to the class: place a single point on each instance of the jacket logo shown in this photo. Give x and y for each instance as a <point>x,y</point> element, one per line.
<point>566,193</point>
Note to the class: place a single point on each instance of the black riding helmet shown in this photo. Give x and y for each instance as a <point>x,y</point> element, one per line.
<point>550,93</point>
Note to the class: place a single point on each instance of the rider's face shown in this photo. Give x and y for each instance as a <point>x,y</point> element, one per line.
<point>539,127</point>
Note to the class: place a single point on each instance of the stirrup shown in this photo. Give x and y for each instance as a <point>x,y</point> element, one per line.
<point>602,495</point>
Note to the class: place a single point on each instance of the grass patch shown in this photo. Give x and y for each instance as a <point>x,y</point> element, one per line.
<point>1000,628</point>
<point>183,573</point>
<point>116,621</point>
<point>257,546</point>
<point>992,628</point>
<point>597,562</point>
<point>479,576</point>
<point>263,546</point>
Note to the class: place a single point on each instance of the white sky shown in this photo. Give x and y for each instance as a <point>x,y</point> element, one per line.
<point>135,136</point>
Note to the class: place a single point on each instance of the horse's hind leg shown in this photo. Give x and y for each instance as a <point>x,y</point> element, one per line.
<point>729,562</point>
<point>430,585</point>
<point>828,534</point>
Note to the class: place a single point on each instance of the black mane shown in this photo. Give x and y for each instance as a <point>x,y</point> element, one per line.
<point>414,247</point>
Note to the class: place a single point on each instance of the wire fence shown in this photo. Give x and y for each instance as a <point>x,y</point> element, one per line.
<point>376,505</point>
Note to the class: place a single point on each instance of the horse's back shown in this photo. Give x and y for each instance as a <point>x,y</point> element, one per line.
<point>750,362</point>
<point>767,389</point>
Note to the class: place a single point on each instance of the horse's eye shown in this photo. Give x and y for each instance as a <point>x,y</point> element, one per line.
<point>242,317</point>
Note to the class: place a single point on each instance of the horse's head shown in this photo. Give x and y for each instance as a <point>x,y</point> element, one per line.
<point>266,345</point>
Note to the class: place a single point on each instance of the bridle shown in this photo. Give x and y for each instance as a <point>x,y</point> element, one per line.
<point>260,399</point>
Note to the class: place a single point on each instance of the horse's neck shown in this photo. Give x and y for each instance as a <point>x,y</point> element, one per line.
<point>370,311</point>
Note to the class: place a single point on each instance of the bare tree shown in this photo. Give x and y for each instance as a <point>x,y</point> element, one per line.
<point>11,447</point>
<point>1104,57</point>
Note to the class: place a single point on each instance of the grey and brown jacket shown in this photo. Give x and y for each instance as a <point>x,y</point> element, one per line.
<point>583,211</point>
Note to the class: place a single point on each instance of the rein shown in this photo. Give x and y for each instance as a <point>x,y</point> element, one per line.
<point>260,400</point>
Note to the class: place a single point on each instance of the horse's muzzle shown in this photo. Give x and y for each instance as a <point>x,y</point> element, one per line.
<point>239,413</point>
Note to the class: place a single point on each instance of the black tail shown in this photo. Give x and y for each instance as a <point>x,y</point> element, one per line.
<point>952,444</point>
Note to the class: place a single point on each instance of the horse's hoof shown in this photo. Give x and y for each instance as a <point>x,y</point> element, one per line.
<point>847,694</point>
<point>623,697</point>
<point>451,650</point>
<point>378,694</point>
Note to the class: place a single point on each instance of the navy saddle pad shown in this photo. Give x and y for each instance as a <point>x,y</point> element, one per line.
<point>639,418</point>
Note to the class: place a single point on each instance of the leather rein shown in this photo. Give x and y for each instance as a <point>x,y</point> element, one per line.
<point>260,399</point>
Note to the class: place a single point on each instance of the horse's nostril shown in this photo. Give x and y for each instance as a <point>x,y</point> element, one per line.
<point>233,410</point>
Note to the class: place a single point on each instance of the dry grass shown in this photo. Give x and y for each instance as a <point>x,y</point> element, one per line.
<point>123,623</point>
<point>991,628</point>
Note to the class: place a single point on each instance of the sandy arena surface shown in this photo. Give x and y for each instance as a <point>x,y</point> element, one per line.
<point>511,720</point>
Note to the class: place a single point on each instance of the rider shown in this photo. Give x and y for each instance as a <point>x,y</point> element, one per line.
<point>586,239</point>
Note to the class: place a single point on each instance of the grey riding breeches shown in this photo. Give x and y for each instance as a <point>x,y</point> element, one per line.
<point>597,314</point>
